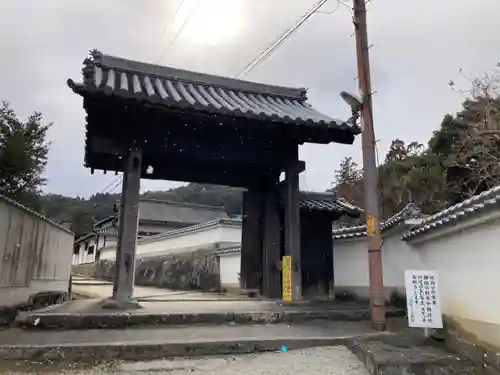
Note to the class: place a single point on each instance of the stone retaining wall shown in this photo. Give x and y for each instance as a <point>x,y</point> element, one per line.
<point>85,269</point>
<point>197,270</point>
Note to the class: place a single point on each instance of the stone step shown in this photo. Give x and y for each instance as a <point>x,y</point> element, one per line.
<point>409,354</point>
<point>396,352</point>
<point>153,343</point>
<point>113,320</point>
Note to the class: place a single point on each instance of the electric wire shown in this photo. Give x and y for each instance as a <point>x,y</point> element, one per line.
<point>170,21</point>
<point>283,37</point>
<point>179,32</point>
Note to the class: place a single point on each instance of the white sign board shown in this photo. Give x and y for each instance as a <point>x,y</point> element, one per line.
<point>424,310</point>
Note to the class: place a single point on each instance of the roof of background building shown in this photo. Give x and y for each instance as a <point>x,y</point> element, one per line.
<point>182,89</point>
<point>104,221</point>
<point>470,207</point>
<point>84,237</point>
<point>411,210</point>
<point>180,212</point>
<point>307,200</point>
<point>108,231</point>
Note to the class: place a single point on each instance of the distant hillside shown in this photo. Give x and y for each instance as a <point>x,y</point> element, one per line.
<point>83,212</point>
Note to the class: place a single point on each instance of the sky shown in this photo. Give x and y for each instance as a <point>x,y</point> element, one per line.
<point>418,47</point>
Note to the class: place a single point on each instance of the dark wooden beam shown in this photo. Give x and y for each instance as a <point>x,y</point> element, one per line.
<point>249,152</point>
<point>221,174</point>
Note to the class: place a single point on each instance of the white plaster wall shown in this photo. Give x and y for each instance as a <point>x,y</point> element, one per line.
<point>178,243</point>
<point>466,258</point>
<point>397,257</point>
<point>229,265</point>
<point>108,253</point>
<point>83,256</point>
<point>468,266</point>
<point>110,242</point>
<point>350,261</point>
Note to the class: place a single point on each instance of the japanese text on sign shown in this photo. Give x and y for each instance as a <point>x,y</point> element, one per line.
<point>287,277</point>
<point>424,310</point>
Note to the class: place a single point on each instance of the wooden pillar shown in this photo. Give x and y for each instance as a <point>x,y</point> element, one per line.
<point>271,246</point>
<point>119,237</point>
<point>292,222</point>
<point>127,236</point>
<point>251,242</point>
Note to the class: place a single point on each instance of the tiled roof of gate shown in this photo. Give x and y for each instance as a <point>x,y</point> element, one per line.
<point>185,89</point>
<point>460,211</point>
<point>409,211</point>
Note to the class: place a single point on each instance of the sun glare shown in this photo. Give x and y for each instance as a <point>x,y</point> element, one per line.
<point>213,22</point>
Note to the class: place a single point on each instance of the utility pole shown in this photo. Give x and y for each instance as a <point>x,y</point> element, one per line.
<point>377,298</point>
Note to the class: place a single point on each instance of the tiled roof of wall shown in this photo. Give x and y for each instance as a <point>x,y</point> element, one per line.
<point>470,207</point>
<point>229,250</point>
<point>409,211</point>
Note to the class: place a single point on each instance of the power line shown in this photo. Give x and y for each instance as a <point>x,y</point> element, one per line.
<point>169,23</point>
<point>112,185</point>
<point>178,32</point>
<point>334,9</point>
<point>275,45</point>
<point>116,185</point>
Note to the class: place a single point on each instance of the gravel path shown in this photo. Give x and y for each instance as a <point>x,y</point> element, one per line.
<point>336,360</point>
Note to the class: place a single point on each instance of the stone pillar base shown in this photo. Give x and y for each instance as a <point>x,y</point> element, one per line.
<point>252,293</point>
<point>113,304</point>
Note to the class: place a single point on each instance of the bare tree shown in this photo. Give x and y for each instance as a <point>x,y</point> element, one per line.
<point>476,156</point>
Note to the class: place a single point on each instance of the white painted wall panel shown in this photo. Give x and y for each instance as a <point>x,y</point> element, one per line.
<point>179,243</point>
<point>229,265</point>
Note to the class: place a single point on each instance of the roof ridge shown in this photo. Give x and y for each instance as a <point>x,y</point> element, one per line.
<point>185,204</point>
<point>410,210</point>
<point>451,214</point>
<point>318,195</point>
<point>161,71</point>
<point>104,220</point>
